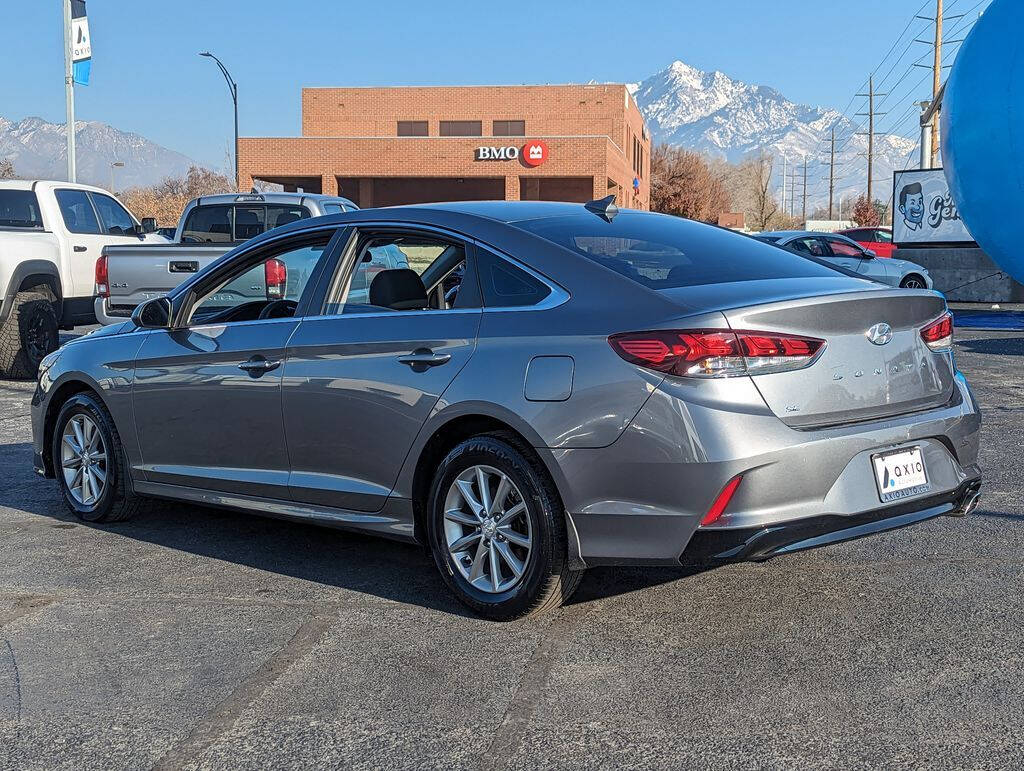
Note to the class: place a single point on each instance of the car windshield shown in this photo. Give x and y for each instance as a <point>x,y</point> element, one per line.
<point>664,252</point>
<point>19,209</point>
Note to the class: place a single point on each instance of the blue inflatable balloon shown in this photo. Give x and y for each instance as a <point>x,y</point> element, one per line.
<point>982,137</point>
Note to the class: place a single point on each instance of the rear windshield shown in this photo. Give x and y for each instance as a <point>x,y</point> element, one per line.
<point>664,252</point>
<point>238,222</point>
<point>19,209</point>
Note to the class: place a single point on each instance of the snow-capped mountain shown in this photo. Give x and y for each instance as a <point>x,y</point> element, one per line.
<point>38,149</point>
<point>711,112</point>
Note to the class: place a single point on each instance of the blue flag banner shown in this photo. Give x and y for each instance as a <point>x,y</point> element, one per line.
<point>81,43</point>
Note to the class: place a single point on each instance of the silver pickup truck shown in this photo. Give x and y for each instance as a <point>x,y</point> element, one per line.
<point>209,227</point>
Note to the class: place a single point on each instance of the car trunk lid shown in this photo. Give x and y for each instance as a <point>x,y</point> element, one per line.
<point>853,378</point>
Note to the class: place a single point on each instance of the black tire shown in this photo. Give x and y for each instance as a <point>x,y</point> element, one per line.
<point>911,278</point>
<point>118,502</point>
<point>30,332</point>
<point>547,580</point>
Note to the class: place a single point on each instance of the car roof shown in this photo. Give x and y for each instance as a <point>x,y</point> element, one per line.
<point>508,211</point>
<point>204,200</point>
<point>31,184</point>
<point>796,233</point>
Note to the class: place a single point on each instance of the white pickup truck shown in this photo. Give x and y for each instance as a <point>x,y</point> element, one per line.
<point>51,234</point>
<point>209,227</point>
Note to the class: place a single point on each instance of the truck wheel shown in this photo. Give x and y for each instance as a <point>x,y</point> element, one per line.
<point>29,333</point>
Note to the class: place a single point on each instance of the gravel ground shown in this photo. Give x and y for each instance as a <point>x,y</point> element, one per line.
<point>196,638</point>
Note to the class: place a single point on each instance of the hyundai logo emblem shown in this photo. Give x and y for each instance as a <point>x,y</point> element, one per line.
<point>880,333</point>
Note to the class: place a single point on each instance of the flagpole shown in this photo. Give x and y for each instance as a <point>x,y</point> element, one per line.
<point>69,88</point>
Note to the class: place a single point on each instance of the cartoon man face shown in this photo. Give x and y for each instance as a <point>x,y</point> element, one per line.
<point>912,205</point>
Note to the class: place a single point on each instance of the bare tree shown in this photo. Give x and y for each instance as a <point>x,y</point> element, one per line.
<point>865,213</point>
<point>166,200</point>
<point>684,184</point>
<point>759,180</point>
<point>7,169</point>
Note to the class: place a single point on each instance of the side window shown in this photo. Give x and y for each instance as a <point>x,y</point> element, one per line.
<point>503,285</point>
<point>283,215</point>
<point>77,212</point>
<point>208,224</point>
<point>402,272</point>
<point>883,236</point>
<point>844,249</point>
<point>809,246</point>
<point>115,218</point>
<point>246,293</point>
<point>333,208</point>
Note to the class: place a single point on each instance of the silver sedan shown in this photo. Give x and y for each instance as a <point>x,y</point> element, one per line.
<point>533,389</point>
<point>846,253</point>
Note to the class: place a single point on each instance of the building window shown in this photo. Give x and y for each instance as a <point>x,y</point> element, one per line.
<point>461,128</point>
<point>509,128</point>
<point>638,158</point>
<point>412,128</point>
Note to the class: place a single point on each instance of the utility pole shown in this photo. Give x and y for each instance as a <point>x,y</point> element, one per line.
<point>871,94</point>
<point>832,173</point>
<point>784,172</point>
<point>69,90</point>
<point>805,192</point>
<point>936,81</point>
<point>793,177</point>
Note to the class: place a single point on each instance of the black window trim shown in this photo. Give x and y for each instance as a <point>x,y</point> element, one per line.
<point>557,296</point>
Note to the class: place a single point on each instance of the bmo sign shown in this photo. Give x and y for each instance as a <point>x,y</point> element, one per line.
<point>533,153</point>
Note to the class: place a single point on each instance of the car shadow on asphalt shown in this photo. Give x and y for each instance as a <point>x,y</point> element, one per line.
<point>387,569</point>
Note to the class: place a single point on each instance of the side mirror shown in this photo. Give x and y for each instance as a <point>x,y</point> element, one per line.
<point>148,225</point>
<point>869,253</point>
<point>153,314</point>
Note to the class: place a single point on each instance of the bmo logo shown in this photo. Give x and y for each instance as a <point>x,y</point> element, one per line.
<point>533,153</point>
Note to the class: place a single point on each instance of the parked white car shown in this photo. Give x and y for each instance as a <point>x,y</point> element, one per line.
<point>51,234</point>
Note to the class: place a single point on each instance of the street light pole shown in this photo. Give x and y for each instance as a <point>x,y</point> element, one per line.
<point>233,88</point>
<point>114,165</point>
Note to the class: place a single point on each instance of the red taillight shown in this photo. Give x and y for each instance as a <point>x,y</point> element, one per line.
<point>939,334</point>
<point>277,277</point>
<point>718,507</point>
<point>715,353</point>
<point>102,282</point>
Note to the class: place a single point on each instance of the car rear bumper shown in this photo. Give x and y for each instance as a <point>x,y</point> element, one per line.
<point>641,500</point>
<point>787,537</point>
<point>107,314</point>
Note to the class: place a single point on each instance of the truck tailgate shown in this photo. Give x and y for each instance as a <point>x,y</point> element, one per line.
<point>139,273</point>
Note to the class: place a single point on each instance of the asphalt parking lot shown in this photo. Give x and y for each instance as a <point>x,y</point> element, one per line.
<point>195,638</point>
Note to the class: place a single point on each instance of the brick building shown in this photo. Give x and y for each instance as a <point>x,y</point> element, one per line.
<point>389,146</point>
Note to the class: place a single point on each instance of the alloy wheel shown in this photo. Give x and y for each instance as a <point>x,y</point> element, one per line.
<point>487,529</point>
<point>913,283</point>
<point>83,460</point>
<point>37,338</point>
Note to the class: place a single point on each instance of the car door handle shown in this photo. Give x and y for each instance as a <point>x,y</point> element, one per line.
<point>80,249</point>
<point>424,357</point>
<point>257,367</point>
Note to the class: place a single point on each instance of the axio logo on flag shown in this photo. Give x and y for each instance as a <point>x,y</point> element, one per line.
<point>81,43</point>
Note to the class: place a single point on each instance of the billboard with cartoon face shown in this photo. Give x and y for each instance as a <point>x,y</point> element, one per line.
<point>924,211</point>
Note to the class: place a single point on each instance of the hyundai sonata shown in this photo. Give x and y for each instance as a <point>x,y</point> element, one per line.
<point>538,388</point>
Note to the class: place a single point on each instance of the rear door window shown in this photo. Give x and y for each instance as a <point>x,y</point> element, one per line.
<point>663,252</point>
<point>19,209</point>
<point>77,211</point>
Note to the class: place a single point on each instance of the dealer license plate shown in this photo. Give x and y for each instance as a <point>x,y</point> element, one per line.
<point>900,474</point>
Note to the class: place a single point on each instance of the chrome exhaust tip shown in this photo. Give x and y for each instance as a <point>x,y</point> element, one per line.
<point>970,503</point>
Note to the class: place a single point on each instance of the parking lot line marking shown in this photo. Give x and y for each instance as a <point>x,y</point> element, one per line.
<point>224,715</point>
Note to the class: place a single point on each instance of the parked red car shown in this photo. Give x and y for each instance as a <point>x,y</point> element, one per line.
<point>878,240</point>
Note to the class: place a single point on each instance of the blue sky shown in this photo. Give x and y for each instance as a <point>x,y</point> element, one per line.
<point>148,78</point>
